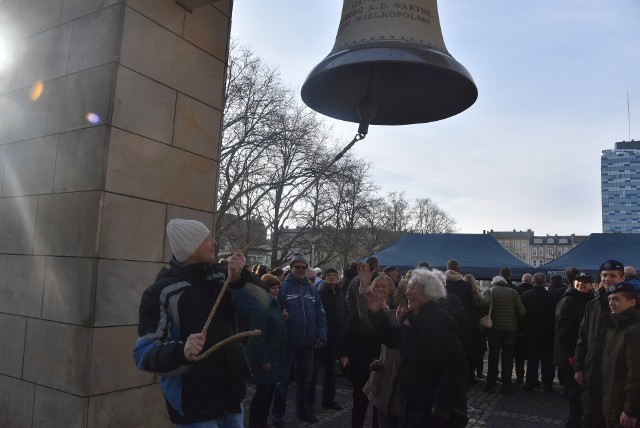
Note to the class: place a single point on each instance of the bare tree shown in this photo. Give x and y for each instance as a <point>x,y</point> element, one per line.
<point>275,183</point>
<point>396,213</point>
<point>342,205</point>
<point>428,217</point>
<point>254,101</point>
<point>293,157</point>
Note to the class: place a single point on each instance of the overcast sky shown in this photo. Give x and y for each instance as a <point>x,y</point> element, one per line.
<point>552,79</point>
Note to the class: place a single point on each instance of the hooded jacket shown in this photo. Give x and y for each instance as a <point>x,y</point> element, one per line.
<point>455,284</point>
<point>177,305</point>
<point>621,366</point>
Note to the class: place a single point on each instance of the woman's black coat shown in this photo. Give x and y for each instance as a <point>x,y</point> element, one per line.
<point>433,371</point>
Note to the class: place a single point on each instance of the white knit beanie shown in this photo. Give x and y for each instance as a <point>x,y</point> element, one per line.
<point>185,236</point>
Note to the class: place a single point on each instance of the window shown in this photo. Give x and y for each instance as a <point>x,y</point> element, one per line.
<point>535,263</point>
<point>550,252</point>
<point>534,252</point>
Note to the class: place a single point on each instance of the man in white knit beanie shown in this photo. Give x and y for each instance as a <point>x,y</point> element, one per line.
<point>186,237</point>
<point>172,315</point>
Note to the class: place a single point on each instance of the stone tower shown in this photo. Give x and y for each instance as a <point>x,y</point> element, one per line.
<point>110,118</point>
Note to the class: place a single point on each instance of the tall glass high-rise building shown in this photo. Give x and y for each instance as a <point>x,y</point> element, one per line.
<point>620,175</point>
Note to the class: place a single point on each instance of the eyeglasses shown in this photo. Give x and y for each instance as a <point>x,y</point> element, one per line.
<point>331,275</point>
<point>298,267</point>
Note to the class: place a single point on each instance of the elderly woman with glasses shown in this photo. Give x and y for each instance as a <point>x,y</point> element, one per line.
<point>433,370</point>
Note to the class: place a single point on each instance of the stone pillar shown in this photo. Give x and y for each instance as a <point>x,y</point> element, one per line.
<point>110,117</point>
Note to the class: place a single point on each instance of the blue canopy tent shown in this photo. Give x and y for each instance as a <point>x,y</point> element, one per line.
<point>588,255</point>
<point>480,255</point>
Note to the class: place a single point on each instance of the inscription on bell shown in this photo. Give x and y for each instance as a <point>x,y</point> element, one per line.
<point>364,21</point>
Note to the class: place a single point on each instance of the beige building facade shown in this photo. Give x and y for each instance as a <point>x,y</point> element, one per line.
<point>110,118</point>
<point>535,250</point>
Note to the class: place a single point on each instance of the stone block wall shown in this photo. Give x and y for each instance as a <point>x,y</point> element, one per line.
<point>110,119</point>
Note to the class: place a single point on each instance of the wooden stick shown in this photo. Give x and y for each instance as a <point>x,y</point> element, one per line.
<point>215,308</point>
<point>224,289</point>
<point>226,341</point>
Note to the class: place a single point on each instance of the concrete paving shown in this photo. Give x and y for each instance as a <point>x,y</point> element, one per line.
<point>523,409</point>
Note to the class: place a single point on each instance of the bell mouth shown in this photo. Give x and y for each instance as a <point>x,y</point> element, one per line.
<point>407,84</point>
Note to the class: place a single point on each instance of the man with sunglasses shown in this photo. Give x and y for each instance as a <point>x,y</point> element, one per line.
<point>306,331</point>
<point>587,363</point>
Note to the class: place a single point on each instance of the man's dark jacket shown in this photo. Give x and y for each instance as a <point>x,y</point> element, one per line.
<point>569,313</point>
<point>539,321</point>
<point>177,305</point>
<point>433,372</point>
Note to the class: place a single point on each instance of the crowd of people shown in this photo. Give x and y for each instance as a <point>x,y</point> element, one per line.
<point>410,343</point>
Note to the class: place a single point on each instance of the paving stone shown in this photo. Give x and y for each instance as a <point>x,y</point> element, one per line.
<point>523,409</point>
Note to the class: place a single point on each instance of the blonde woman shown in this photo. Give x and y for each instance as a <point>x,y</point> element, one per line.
<point>360,346</point>
<point>382,386</point>
<point>433,369</point>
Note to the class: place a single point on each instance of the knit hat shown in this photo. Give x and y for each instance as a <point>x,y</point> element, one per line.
<point>185,236</point>
<point>328,271</point>
<point>298,257</point>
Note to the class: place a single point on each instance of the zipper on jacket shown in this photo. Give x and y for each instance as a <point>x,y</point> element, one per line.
<point>304,314</point>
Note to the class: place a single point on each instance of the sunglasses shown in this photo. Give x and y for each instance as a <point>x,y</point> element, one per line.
<point>299,267</point>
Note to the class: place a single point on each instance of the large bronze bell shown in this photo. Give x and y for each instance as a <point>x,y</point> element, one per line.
<point>389,66</point>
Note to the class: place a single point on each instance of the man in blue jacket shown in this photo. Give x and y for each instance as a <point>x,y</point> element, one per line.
<point>306,330</point>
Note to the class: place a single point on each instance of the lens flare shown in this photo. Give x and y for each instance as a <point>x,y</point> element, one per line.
<point>5,53</point>
<point>36,91</point>
<point>93,118</point>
